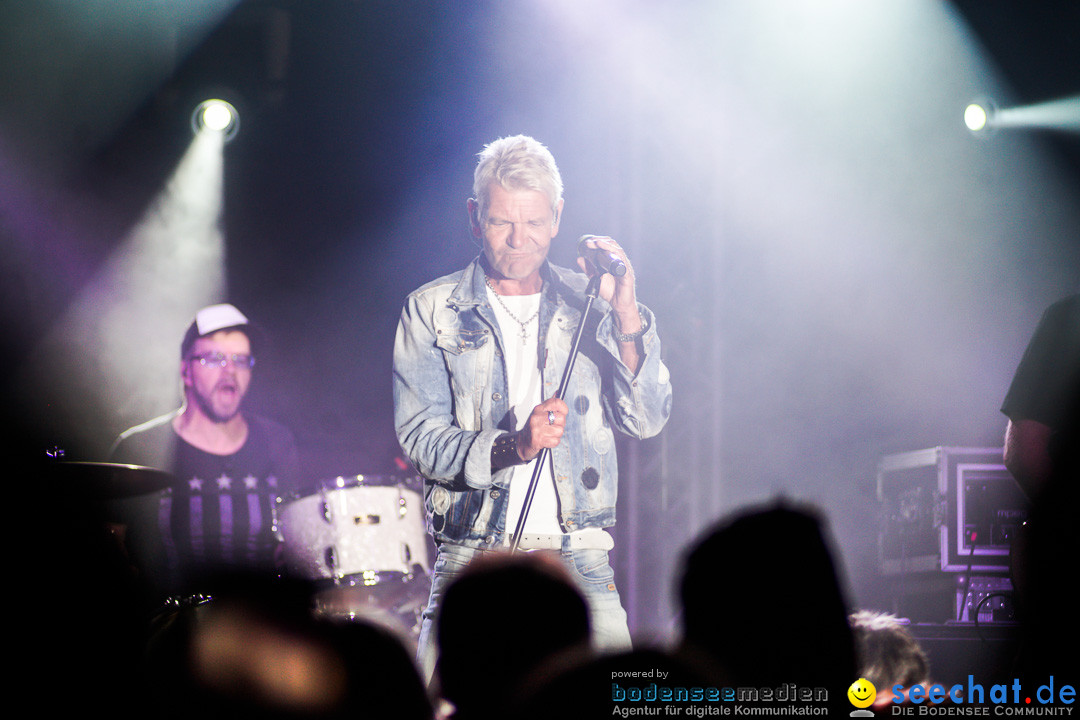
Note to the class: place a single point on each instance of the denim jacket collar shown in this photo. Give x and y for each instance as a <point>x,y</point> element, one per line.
<point>561,287</point>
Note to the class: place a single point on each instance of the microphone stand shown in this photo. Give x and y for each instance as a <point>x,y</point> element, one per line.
<point>591,292</point>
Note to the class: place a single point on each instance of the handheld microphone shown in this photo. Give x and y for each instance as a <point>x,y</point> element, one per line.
<point>604,261</point>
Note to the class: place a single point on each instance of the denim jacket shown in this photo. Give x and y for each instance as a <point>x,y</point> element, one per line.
<point>451,402</point>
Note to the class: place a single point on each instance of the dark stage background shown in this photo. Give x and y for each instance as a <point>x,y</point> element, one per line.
<point>840,269</point>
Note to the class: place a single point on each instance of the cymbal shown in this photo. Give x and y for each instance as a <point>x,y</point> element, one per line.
<point>106,481</point>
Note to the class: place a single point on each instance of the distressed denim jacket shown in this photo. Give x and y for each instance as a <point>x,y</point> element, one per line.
<point>451,402</point>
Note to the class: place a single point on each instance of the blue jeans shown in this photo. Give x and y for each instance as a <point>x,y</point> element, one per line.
<point>590,570</point>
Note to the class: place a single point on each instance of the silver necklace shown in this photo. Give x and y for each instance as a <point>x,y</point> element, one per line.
<point>523,323</point>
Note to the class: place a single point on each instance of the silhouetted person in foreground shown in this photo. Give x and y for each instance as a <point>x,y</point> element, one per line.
<point>763,612</point>
<point>78,611</point>
<point>762,602</point>
<point>488,649</point>
<point>255,650</point>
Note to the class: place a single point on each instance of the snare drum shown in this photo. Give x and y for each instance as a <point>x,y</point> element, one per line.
<point>360,530</point>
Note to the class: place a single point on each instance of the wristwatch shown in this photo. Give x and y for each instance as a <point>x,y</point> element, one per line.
<point>630,337</point>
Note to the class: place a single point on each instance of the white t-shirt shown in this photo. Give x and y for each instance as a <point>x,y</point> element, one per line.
<point>525,382</point>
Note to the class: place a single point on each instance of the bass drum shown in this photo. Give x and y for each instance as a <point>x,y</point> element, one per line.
<point>362,539</point>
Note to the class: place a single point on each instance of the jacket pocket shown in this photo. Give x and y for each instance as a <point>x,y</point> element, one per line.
<point>468,355</point>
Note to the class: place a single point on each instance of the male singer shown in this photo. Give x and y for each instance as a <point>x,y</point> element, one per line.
<point>478,358</point>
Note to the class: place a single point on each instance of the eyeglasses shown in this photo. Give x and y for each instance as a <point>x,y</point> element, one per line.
<point>218,359</point>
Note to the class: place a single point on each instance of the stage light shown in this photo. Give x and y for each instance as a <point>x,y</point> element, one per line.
<point>216,116</point>
<point>978,116</point>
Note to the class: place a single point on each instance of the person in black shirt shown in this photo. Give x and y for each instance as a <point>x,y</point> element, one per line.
<point>230,466</point>
<point>1042,451</point>
<point>1043,403</point>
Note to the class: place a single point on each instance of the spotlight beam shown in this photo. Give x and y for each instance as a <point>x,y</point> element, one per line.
<point>112,355</point>
<point>1061,115</point>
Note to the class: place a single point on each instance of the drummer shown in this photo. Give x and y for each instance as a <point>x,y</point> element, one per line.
<point>230,466</point>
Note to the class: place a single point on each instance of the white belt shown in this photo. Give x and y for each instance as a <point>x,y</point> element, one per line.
<point>588,539</point>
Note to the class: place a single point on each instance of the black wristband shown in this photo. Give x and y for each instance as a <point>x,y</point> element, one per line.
<point>504,452</point>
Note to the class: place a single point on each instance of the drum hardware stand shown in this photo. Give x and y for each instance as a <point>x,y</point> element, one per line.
<point>591,292</point>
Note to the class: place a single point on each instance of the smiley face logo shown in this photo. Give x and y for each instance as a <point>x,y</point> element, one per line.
<point>862,693</point>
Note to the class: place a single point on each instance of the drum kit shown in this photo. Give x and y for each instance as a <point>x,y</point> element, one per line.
<point>360,540</point>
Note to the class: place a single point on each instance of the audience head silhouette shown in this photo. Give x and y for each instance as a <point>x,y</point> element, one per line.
<point>761,598</point>
<point>501,619</point>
